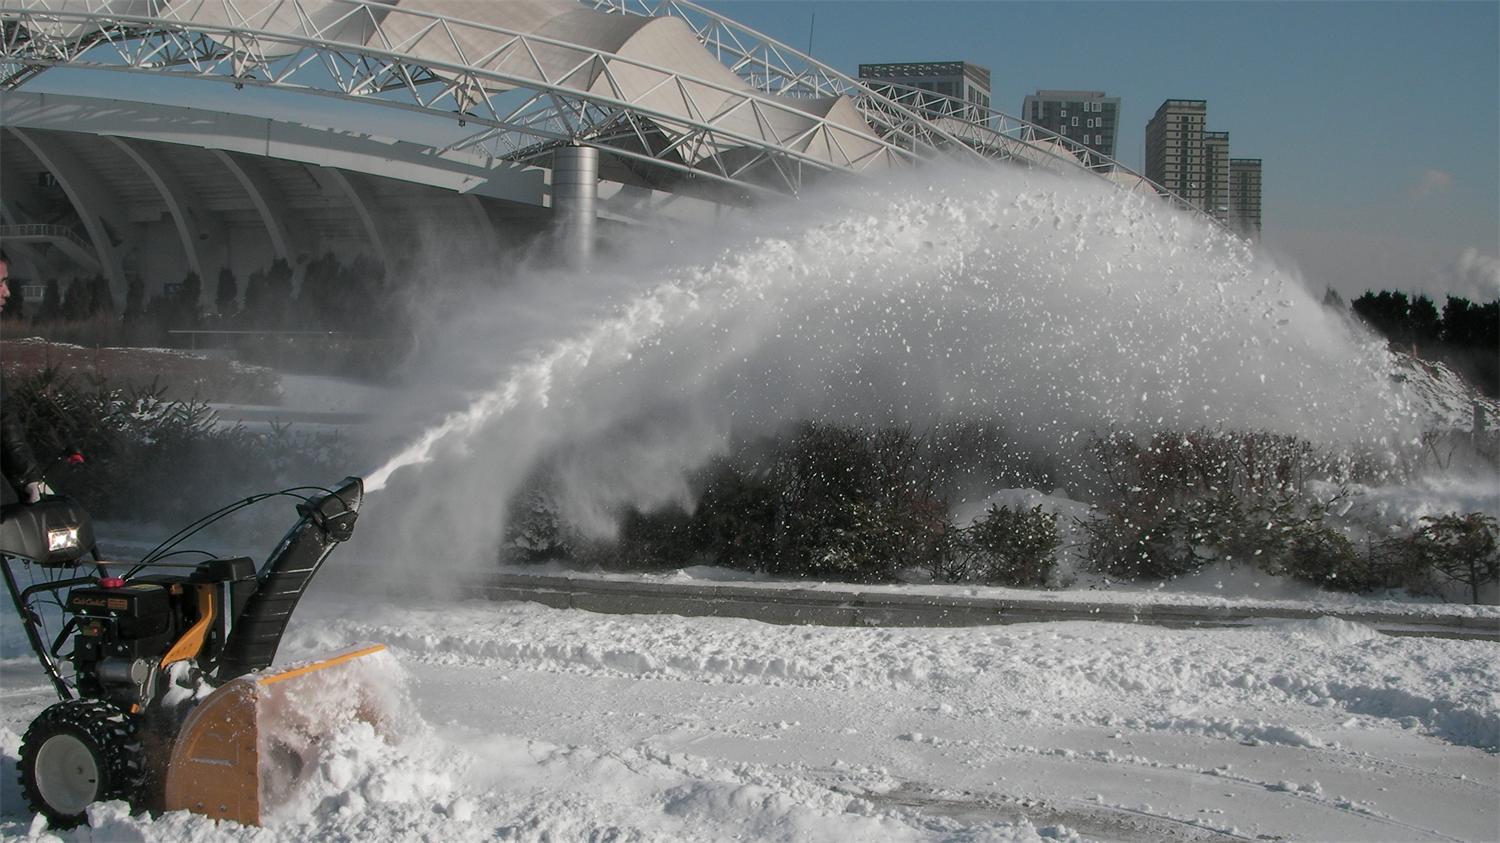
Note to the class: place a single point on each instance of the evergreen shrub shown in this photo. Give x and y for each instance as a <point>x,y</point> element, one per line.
<point>1015,547</point>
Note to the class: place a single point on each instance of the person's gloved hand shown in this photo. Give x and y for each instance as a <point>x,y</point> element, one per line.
<point>35,489</point>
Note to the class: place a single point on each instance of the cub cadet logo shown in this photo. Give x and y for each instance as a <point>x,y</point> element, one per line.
<point>103,602</point>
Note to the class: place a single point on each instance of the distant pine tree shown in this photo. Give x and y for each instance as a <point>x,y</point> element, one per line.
<point>101,297</point>
<point>227,293</point>
<point>135,299</point>
<point>1387,312</point>
<point>188,303</point>
<point>255,295</point>
<point>1425,326</point>
<point>75,303</point>
<point>320,298</point>
<point>52,303</point>
<point>277,301</point>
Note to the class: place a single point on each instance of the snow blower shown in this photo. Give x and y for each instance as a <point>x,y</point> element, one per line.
<point>165,691</point>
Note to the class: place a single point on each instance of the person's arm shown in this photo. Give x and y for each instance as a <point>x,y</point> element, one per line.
<point>17,462</point>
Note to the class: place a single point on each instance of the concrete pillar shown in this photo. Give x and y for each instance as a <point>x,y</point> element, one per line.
<point>575,195</point>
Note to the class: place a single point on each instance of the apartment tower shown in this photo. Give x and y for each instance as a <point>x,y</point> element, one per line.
<point>1087,117</point>
<point>1174,149</point>
<point>1244,197</point>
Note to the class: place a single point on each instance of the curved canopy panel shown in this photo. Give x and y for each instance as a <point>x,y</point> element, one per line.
<point>72,22</point>
<point>260,22</point>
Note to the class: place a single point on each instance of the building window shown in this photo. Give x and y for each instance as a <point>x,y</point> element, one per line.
<point>1075,121</point>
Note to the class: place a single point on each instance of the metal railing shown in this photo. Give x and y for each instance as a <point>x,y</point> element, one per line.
<point>44,231</point>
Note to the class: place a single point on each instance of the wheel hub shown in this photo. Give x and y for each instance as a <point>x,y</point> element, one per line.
<point>67,774</point>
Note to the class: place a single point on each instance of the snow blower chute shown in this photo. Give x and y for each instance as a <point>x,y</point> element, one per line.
<point>148,639</point>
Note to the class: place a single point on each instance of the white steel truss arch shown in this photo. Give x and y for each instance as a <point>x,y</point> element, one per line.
<point>756,116</point>
<point>774,67</point>
<point>180,201</point>
<point>364,208</point>
<point>707,128</point>
<point>96,211</point>
<point>268,203</point>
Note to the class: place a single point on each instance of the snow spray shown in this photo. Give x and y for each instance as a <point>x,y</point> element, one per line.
<point>1058,304</point>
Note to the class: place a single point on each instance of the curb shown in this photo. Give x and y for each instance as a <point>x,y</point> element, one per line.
<point>861,608</point>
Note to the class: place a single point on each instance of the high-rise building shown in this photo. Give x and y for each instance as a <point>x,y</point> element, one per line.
<point>1244,197</point>
<point>965,82</point>
<point>1088,117</point>
<point>1192,162</point>
<point>1216,172</point>
<point>1174,149</point>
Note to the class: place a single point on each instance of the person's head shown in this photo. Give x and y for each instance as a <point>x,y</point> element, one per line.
<point>4,278</point>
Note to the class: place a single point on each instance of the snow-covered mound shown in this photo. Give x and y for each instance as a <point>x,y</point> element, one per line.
<point>1443,397</point>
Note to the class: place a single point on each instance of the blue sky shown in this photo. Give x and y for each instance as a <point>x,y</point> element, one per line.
<point>1378,122</point>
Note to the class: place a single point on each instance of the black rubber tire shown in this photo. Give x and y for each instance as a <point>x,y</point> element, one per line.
<point>76,753</point>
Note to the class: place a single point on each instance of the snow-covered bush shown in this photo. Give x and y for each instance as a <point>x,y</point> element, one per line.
<point>1320,554</point>
<point>822,501</point>
<point>1450,550</point>
<point>851,505</point>
<point>1176,502</point>
<point>660,539</point>
<point>1016,547</point>
<point>736,514</point>
<point>856,505</point>
<point>534,530</point>
<point>152,458</point>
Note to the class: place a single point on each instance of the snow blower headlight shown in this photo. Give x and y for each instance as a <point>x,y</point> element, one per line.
<point>64,538</point>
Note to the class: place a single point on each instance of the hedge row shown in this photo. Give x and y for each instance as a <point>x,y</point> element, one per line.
<point>838,503</point>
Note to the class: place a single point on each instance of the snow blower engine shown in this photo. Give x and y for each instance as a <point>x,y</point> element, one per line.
<point>165,688</point>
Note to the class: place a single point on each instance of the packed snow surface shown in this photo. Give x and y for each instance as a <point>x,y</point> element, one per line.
<point>529,723</point>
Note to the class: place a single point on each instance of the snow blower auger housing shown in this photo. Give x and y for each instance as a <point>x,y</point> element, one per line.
<point>164,688</point>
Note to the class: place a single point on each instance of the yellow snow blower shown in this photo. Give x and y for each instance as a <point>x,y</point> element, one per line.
<point>167,700</point>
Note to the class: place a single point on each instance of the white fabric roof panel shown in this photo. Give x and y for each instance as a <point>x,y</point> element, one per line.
<point>327,19</point>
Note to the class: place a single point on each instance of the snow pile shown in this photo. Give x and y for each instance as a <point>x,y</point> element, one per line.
<point>1444,397</point>
<point>1440,683</point>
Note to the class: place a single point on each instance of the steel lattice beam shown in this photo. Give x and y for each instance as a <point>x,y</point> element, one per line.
<point>316,55</point>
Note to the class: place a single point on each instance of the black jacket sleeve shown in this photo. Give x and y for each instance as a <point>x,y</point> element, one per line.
<point>17,462</point>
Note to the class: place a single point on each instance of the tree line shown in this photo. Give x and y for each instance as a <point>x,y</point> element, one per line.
<point>338,318</point>
<point>333,296</point>
<point>1465,335</point>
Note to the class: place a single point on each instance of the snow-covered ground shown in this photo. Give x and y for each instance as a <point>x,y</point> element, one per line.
<point>531,723</point>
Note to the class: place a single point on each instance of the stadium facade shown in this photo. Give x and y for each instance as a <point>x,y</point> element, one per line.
<point>361,127</point>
